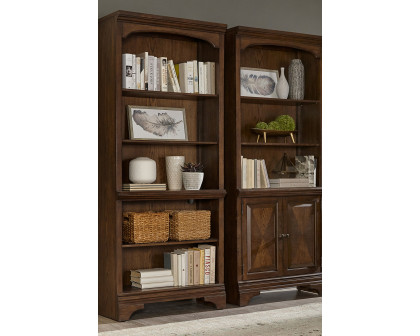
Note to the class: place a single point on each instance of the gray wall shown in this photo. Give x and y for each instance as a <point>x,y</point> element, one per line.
<point>302,16</point>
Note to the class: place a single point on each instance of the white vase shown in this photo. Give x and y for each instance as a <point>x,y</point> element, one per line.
<point>142,170</point>
<point>174,172</point>
<point>192,180</point>
<point>282,86</point>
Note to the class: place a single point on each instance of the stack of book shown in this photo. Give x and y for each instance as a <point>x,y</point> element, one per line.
<point>143,186</point>
<point>151,278</point>
<point>290,183</point>
<point>254,174</point>
<point>147,72</point>
<point>193,266</point>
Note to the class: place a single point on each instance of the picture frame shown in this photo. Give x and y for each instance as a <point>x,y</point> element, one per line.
<point>156,123</point>
<point>260,83</point>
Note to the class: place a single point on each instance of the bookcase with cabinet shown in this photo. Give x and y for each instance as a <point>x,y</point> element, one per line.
<point>180,40</point>
<point>274,233</point>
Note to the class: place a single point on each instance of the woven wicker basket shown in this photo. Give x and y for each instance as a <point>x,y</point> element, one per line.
<point>189,225</point>
<point>145,227</point>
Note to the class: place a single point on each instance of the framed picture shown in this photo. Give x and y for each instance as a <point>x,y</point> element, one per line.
<point>259,82</point>
<point>156,123</point>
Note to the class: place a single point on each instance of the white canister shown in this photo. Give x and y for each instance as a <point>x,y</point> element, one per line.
<point>142,170</point>
<point>174,171</point>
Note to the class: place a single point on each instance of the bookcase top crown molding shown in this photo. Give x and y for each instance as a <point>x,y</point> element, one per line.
<point>259,36</point>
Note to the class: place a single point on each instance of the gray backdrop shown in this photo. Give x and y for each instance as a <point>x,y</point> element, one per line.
<point>302,16</point>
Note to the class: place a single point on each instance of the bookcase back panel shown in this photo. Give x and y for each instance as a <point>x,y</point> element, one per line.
<point>273,58</point>
<point>253,113</point>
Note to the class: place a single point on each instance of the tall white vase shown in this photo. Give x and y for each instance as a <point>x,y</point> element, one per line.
<point>174,171</point>
<point>282,86</point>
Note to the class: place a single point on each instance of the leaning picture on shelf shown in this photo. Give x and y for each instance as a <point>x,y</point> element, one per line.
<point>156,123</point>
<point>259,82</point>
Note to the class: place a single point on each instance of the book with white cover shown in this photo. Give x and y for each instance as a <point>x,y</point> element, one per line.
<point>179,257</point>
<point>158,70</point>
<point>151,85</point>
<point>138,83</point>
<point>200,77</point>
<point>150,272</point>
<point>190,77</point>
<point>152,280</point>
<point>145,73</point>
<point>205,80</point>
<point>212,261</point>
<point>128,80</point>
<point>164,74</point>
<point>153,285</point>
<point>172,69</point>
<point>195,70</point>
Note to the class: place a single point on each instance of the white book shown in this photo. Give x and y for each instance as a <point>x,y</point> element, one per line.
<point>153,285</point>
<point>128,80</point>
<point>145,74</point>
<point>170,262</point>
<point>164,74</point>
<point>212,71</point>
<point>152,280</point>
<point>212,261</point>
<point>205,72</point>
<point>138,83</point>
<point>184,272</point>
<point>183,77</point>
<point>267,180</point>
<point>151,86</point>
<point>190,77</point>
<point>250,173</point>
<point>258,173</point>
<point>158,70</point>
<point>155,77</point>
<point>179,265</point>
<point>200,77</point>
<point>172,69</point>
<point>134,70</point>
<point>150,272</point>
<point>195,70</point>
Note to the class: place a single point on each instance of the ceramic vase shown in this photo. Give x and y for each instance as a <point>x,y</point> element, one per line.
<point>282,86</point>
<point>296,79</point>
<point>192,180</point>
<point>174,172</point>
<point>142,170</point>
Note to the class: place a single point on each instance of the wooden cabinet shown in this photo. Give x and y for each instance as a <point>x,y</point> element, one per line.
<point>274,234</point>
<point>180,40</point>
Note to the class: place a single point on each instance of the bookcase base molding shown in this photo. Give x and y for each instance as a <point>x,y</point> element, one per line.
<point>131,302</point>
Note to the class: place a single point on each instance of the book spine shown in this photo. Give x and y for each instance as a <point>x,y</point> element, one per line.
<point>153,285</point>
<point>205,72</point>
<point>196,267</point>
<point>195,71</point>
<point>164,74</point>
<point>200,77</point>
<point>155,77</point>
<point>145,75</point>
<point>267,180</point>
<point>207,260</point>
<point>141,73</point>
<point>152,280</point>
<point>138,84</point>
<point>134,70</point>
<point>190,267</point>
<point>182,71</point>
<point>151,74</point>
<point>174,268</point>
<point>179,266</point>
<point>213,264</point>
<point>212,77</point>
<point>190,76</point>
<point>127,71</point>
<point>158,74</point>
<point>171,83</point>
<point>202,261</point>
<point>172,67</point>
<point>183,269</point>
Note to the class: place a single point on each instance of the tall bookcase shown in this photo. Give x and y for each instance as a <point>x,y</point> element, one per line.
<point>274,234</point>
<point>180,40</point>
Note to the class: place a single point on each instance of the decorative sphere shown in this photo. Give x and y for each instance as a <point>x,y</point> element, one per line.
<point>286,123</point>
<point>261,125</point>
<point>274,125</point>
<point>142,170</point>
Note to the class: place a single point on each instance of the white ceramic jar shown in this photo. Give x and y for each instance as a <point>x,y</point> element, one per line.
<point>142,170</point>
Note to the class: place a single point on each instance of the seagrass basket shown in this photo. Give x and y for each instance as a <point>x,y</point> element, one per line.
<point>189,225</point>
<point>145,227</point>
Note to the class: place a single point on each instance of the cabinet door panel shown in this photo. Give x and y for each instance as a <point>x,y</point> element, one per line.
<point>303,227</point>
<point>260,242</point>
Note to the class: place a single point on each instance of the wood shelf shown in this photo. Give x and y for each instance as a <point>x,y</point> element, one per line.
<point>267,192</point>
<point>166,95</point>
<point>169,143</point>
<point>171,195</point>
<point>202,288</point>
<point>277,101</point>
<point>184,242</point>
<point>273,144</point>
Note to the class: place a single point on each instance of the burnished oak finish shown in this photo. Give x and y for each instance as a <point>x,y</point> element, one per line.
<point>274,234</point>
<point>180,40</point>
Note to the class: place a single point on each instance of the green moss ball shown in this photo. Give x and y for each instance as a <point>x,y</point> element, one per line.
<point>274,125</point>
<point>261,125</point>
<point>286,123</point>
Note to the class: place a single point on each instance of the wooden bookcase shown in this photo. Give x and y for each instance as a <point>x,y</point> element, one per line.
<point>274,234</point>
<point>180,40</point>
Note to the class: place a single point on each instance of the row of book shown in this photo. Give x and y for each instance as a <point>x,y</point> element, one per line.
<point>148,72</point>
<point>143,186</point>
<point>254,174</point>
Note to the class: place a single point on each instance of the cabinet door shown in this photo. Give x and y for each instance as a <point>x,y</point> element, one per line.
<point>302,227</point>
<point>260,243</point>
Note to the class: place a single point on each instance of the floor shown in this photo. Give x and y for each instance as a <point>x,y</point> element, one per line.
<point>186,310</point>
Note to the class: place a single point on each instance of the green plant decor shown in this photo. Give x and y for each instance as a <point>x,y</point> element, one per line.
<point>274,125</point>
<point>261,125</point>
<point>192,167</point>
<point>286,123</point>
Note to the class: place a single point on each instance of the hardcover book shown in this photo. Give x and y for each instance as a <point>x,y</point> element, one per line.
<point>128,80</point>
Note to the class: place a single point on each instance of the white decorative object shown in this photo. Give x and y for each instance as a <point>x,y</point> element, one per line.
<point>192,180</point>
<point>174,172</point>
<point>142,170</point>
<point>282,86</point>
